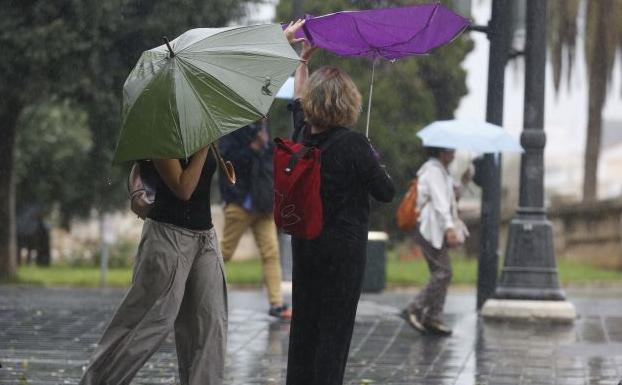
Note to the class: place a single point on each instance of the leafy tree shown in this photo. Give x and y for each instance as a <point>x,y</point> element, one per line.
<point>407,95</point>
<point>35,42</point>
<point>81,50</point>
<point>52,146</point>
<point>603,38</point>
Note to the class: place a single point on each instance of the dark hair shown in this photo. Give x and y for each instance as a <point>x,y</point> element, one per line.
<point>435,152</point>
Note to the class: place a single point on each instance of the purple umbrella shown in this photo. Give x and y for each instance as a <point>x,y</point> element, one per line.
<point>391,33</point>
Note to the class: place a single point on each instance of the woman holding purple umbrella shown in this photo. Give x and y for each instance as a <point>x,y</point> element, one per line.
<point>328,270</point>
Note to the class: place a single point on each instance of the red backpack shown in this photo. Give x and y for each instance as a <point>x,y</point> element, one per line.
<point>297,200</point>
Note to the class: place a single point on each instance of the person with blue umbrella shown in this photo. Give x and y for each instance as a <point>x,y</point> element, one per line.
<point>438,229</point>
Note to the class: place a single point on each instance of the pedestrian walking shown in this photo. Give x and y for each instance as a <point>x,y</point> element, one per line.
<point>248,205</point>
<point>178,284</point>
<point>178,279</point>
<point>438,229</point>
<point>328,270</point>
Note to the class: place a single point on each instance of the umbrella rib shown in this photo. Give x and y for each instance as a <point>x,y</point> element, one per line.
<point>129,107</point>
<point>176,121</point>
<point>244,102</point>
<point>240,52</point>
<point>198,97</point>
<point>224,68</point>
<point>236,45</point>
<point>427,24</point>
<point>181,138</point>
<point>243,30</point>
<point>356,26</point>
<point>184,50</point>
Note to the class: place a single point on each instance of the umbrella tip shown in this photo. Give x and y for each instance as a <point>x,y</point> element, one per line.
<point>172,54</point>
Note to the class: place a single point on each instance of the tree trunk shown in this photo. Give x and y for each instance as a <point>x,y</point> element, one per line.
<point>8,249</point>
<point>592,145</point>
<point>598,70</point>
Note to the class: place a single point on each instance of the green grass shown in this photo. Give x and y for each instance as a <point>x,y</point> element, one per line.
<point>399,273</point>
<point>415,272</point>
<point>465,272</point>
<point>239,273</point>
<point>580,274</point>
<point>65,275</point>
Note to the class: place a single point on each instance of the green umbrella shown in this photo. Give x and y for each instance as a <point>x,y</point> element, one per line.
<point>206,83</point>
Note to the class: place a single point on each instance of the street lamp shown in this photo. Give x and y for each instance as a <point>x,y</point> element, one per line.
<point>530,271</point>
<point>499,34</point>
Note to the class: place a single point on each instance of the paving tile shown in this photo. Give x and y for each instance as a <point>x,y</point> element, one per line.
<point>47,336</point>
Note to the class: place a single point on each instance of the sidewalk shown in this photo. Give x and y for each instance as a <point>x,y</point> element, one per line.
<point>47,335</point>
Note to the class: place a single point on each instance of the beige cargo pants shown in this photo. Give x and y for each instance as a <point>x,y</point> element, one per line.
<point>178,283</point>
<point>237,220</point>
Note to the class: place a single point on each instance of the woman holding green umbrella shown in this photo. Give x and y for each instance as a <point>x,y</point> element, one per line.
<point>178,281</point>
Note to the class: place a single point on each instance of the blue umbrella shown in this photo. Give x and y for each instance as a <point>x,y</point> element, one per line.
<point>472,135</point>
<point>287,89</point>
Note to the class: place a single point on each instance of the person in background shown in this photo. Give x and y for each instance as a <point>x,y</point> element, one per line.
<point>248,204</point>
<point>328,270</point>
<point>439,228</point>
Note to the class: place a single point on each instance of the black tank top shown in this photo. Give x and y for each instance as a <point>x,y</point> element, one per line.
<point>192,214</point>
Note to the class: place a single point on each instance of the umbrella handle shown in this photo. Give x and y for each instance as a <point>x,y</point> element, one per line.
<point>226,166</point>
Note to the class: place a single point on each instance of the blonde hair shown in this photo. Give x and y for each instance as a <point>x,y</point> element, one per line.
<point>330,98</point>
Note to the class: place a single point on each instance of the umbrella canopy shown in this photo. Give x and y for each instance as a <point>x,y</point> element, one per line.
<point>391,33</point>
<point>476,136</point>
<point>212,81</point>
<point>287,90</point>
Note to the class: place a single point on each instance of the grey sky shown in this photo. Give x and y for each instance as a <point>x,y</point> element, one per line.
<point>566,112</point>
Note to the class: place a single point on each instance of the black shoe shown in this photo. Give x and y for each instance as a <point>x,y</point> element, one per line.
<point>283,312</point>
<point>437,327</point>
<point>414,319</point>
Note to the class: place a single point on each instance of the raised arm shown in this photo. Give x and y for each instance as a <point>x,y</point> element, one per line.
<point>182,182</point>
<point>302,72</point>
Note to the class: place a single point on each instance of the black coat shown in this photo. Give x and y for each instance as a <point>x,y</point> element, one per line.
<point>328,270</point>
<point>350,173</point>
<point>253,169</point>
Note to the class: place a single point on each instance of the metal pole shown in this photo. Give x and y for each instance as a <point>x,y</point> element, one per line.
<point>499,34</point>
<point>530,271</point>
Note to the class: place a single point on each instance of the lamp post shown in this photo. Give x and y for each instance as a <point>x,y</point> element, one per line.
<point>529,285</point>
<point>499,33</point>
<point>530,270</point>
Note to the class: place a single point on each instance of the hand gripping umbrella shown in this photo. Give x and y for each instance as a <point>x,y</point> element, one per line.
<point>208,82</point>
<point>390,33</point>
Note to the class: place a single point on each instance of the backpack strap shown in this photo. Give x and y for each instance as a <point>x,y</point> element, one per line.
<point>307,147</point>
<point>294,159</point>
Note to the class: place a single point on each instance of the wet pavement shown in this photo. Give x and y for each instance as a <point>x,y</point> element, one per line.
<point>47,335</point>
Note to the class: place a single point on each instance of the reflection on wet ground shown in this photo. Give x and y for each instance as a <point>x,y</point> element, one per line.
<point>47,335</point>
